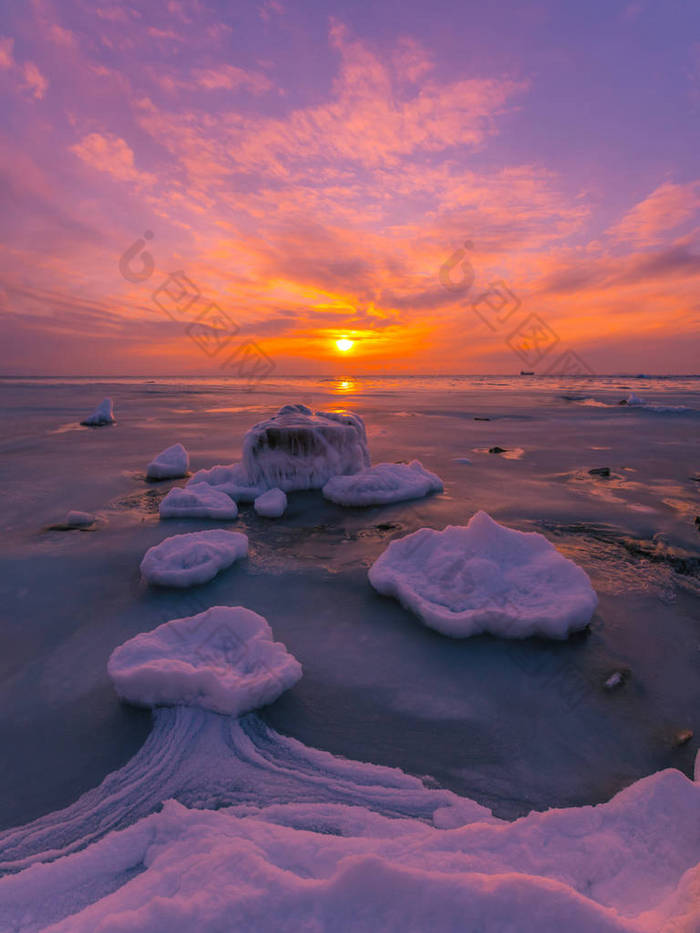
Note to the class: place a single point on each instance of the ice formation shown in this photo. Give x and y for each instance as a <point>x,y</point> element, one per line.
<point>383,483</point>
<point>75,519</point>
<point>103,414</point>
<point>200,501</point>
<point>231,480</point>
<point>486,578</point>
<point>171,463</point>
<point>298,449</point>
<point>224,660</point>
<point>271,504</point>
<point>189,559</point>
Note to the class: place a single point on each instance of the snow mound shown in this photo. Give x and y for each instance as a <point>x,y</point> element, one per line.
<point>298,449</point>
<point>224,660</point>
<point>75,519</point>
<point>103,414</point>
<point>271,504</point>
<point>230,480</point>
<point>199,501</point>
<point>171,463</point>
<point>631,865</point>
<point>384,483</point>
<point>486,578</point>
<point>186,560</point>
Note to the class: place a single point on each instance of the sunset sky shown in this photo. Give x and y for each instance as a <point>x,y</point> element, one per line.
<point>311,166</point>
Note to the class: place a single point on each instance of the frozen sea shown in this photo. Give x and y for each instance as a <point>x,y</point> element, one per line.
<point>516,726</point>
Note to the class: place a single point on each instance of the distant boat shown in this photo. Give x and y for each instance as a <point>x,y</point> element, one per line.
<point>525,372</point>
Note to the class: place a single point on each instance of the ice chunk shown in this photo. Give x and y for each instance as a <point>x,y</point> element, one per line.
<point>200,501</point>
<point>223,660</point>
<point>103,414</point>
<point>271,504</point>
<point>296,449</point>
<point>171,463</point>
<point>186,560</point>
<point>75,519</point>
<point>231,480</point>
<point>486,578</point>
<point>386,482</point>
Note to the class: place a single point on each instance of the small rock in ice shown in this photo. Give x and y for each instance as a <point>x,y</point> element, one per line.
<point>461,460</point>
<point>223,660</point>
<point>614,680</point>
<point>683,737</point>
<point>103,414</point>
<point>497,450</point>
<point>600,471</point>
<point>231,480</point>
<point>632,399</point>
<point>171,463</point>
<point>381,484</point>
<point>190,559</point>
<point>296,449</point>
<point>75,519</point>
<point>486,578</point>
<point>200,501</point>
<point>271,504</point>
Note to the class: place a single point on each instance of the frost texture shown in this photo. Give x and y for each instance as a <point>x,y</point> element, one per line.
<point>186,560</point>
<point>171,463</point>
<point>486,578</point>
<point>298,449</point>
<point>200,501</point>
<point>384,483</point>
<point>224,660</point>
<point>103,414</point>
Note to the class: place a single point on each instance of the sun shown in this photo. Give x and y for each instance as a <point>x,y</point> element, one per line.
<point>344,344</point>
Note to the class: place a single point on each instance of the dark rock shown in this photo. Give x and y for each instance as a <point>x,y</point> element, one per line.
<point>600,471</point>
<point>683,737</point>
<point>497,450</point>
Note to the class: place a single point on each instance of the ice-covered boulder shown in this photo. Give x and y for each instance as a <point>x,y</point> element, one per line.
<point>186,560</point>
<point>201,501</point>
<point>224,659</point>
<point>76,519</point>
<point>486,578</point>
<point>171,463</point>
<point>103,414</point>
<point>632,399</point>
<point>271,504</point>
<point>231,480</point>
<point>383,483</point>
<point>299,449</point>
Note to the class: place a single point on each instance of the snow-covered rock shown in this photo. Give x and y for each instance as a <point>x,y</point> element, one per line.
<point>186,560</point>
<point>298,449</point>
<point>383,483</point>
<point>75,519</point>
<point>486,578</point>
<point>231,480</point>
<point>171,463</point>
<point>200,501</point>
<point>103,414</point>
<point>271,504</point>
<point>224,659</point>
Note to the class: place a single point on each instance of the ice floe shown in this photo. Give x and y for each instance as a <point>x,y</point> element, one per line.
<point>224,660</point>
<point>76,519</point>
<point>271,504</point>
<point>486,578</point>
<point>301,449</point>
<point>200,501</point>
<point>103,414</point>
<point>190,559</point>
<point>171,463</point>
<point>230,479</point>
<point>383,483</point>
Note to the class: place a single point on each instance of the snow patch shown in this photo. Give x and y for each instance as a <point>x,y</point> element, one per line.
<point>200,501</point>
<point>75,519</point>
<point>383,483</point>
<point>190,559</point>
<point>486,578</point>
<point>224,660</point>
<point>103,414</point>
<point>271,504</point>
<point>171,463</point>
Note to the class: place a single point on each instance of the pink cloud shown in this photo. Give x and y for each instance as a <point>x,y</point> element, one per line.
<point>6,57</point>
<point>667,207</point>
<point>111,154</point>
<point>34,80</point>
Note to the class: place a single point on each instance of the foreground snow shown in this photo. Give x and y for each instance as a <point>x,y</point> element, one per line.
<point>171,463</point>
<point>486,578</point>
<point>298,449</point>
<point>223,659</point>
<point>628,866</point>
<point>190,559</point>
<point>383,483</point>
<point>271,504</point>
<point>103,414</point>
<point>229,479</point>
<point>200,501</point>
